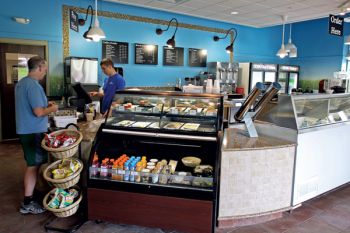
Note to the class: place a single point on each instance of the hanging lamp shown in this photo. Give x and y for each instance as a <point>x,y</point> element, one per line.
<point>290,45</point>
<point>96,33</point>
<point>282,51</point>
<point>171,42</point>
<point>229,48</point>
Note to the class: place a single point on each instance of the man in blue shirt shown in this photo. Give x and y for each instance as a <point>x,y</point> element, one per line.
<point>113,83</point>
<point>32,109</point>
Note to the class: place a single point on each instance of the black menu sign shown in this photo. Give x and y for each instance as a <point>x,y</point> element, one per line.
<point>335,25</point>
<point>146,54</point>
<point>173,56</point>
<point>73,20</point>
<point>197,57</point>
<point>118,52</point>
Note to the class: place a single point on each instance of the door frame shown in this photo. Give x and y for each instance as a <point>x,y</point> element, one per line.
<point>27,42</point>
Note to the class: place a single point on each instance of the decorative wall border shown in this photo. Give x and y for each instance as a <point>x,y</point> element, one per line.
<point>114,15</point>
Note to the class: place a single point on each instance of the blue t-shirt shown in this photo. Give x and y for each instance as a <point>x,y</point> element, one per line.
<point>29,94</point>
<point>111,85</point>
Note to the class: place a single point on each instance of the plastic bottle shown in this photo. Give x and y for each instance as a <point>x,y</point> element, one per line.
<point>138,169</point>
<point>132,171</point>
<point>127,171</point>
<point>94,166</point>
<point>104,169</point>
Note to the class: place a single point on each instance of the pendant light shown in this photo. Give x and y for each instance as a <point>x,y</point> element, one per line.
<point>82,22</point>
<point>282,51</point>
<point>96,33</point>
<point>290,45</point>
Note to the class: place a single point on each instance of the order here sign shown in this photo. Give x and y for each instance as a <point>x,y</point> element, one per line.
<point>335,25</point>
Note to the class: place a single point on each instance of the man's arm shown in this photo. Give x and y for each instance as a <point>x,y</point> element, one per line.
<point>39,112</point>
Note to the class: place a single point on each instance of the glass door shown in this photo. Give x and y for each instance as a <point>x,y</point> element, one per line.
<point>282,80</point>
<point>270,76</point>
<point>257,76</point>
<point>293,81</point>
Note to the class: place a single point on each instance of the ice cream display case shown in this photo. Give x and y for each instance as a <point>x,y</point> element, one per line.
<point>320,125</point>
<point>154,162</point>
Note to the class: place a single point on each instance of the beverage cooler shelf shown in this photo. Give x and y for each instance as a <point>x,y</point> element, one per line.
<point>177,181</point>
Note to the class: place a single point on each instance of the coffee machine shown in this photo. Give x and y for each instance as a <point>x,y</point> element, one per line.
<point>227,73</point>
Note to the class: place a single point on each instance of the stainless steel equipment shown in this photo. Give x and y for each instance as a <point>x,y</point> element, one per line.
<point>249,109</point>
<point>227,73</point>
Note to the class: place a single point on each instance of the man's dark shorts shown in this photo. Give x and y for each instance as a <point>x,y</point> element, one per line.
<point>33,152</point>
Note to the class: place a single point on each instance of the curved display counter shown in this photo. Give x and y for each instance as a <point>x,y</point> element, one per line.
<point>256,178</point>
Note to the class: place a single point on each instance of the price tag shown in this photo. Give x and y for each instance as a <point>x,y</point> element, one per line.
<point>193,112</point>
<point>121,108</point>
<point>134,173</point>
<point>138,109</point>
<point>155,110</point>
<point>104,170</point>
<point>121,172</point>
<point>174,111</point>
<point>342,116</point>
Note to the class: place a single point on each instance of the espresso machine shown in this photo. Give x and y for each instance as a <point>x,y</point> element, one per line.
<point>227,73</point>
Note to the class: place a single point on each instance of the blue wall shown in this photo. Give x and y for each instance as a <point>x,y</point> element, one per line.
<point>319,53</point>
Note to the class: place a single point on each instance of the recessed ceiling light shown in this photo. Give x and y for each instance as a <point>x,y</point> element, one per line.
<point>234,13</point>
<point>348,8</point>
<point>342,13</point>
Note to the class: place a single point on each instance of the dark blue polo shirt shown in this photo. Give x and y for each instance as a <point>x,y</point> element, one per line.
<point>111,85</point>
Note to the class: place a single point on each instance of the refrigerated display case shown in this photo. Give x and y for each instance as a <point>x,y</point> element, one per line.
<point>320,124</point>
<point>251,73</point>
<point>164,127</point>
<point>288,77</point>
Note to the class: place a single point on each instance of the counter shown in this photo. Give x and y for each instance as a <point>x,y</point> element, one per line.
<point>256,178</point>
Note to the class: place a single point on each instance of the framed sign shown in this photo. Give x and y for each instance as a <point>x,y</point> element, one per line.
<point>146,54</point>
<point>335,25</point>
<point>173,56</point>
<point>73,22</point>
<point>197,57</point>
<point>118,52</point>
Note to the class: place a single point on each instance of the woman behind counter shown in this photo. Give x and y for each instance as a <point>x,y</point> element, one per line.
<point>114,82</point>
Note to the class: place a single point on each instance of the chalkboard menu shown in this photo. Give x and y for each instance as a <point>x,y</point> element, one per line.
<point>146,54</point>
<point>173,56</point>
<point>197,57</point>
<point>117,51</point>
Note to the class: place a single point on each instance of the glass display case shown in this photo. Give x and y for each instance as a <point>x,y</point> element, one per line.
<point>321,111</point>
<point>166,112</point>
<point>308,112</point>
<point>161,149</point>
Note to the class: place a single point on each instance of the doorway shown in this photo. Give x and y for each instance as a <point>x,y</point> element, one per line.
<point>13,67</point>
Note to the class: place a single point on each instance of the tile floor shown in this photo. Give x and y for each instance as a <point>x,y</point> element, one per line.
<point>329,213</point>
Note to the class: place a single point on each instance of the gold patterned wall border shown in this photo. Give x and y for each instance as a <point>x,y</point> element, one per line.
<point>114,15</point>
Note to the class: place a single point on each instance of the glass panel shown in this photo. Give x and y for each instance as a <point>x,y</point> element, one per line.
<point>339,109</point>
<point>257,76</point>
<point>311,113</point>
<point>293,81</point>
<point>270,77</point>
<point>282,80</point>
<point>16,66</point>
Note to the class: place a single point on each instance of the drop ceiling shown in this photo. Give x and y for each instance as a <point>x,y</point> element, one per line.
<point>255,13</point>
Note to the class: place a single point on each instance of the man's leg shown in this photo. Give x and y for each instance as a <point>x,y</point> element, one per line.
<point>30,177</point>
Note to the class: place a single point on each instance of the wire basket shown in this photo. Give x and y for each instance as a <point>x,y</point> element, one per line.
<point>62,212</point>
<point>64,152</point>
<point>65,182</point>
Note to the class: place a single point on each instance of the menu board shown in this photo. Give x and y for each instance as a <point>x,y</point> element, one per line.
<point>197,57</point>
<point>146,54</point>
<point>118,52</point>
<point>173,56</point>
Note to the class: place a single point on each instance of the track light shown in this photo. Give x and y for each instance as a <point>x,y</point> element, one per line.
<point>229,48</point>
<point>171,42</point>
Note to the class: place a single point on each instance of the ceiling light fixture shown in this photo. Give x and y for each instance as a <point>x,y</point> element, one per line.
<point>82,22</point>
<point>282,51</point>
<point>290,47</point>
<point>171,42</point>
<point>229,48</point>
<point>21,20</point>
<point>96,33</point>
<point>234,13</point>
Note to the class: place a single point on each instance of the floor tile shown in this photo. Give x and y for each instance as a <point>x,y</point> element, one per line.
<point>249,229</point>
<point>313,226</point>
